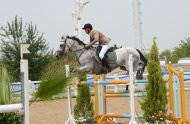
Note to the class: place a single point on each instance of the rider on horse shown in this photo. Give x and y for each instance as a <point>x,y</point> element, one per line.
<point>97,36</point>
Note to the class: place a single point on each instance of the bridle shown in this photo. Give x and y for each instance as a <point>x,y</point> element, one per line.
<point>69,47</point>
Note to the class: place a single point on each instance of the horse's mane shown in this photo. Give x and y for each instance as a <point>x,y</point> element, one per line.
<point>76,39</point>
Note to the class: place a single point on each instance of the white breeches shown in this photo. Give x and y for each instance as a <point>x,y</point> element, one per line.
<point>104,50</point>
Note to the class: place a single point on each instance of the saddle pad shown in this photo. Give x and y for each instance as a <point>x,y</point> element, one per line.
<point>111,56</point>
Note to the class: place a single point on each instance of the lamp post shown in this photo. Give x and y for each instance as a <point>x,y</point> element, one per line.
<point>77,16</point>
<point>137,24</point>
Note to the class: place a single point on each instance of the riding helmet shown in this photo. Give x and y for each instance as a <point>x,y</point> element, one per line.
<point>88,25</point>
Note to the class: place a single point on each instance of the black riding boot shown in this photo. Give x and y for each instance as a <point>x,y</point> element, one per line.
<point>106,64</point>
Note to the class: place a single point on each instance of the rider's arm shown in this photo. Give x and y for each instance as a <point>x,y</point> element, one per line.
<point>95,39</point>
<point>93,42</point>
<point>90,44</point>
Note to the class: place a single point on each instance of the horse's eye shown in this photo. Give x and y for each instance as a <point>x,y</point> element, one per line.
<point>58,52</point>
<point>61,45</point>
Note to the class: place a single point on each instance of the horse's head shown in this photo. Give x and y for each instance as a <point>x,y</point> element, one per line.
<point>69,44</point>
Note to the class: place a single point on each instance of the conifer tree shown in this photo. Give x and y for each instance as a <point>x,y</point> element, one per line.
<point>83,110</point>
<point>15,34</point>
<point>155,101</point>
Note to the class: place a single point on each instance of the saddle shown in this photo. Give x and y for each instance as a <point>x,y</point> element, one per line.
<point>110,55</point>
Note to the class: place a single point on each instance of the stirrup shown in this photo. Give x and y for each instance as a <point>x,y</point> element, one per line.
<point>108,68</point>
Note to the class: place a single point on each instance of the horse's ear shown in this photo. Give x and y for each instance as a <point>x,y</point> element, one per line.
<point>64,36</point>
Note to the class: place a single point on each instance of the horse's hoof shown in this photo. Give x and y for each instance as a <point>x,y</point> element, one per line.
<point>139,78</point>
<point>127,87</point>
<point>104,71</point>
<point>127,73</point>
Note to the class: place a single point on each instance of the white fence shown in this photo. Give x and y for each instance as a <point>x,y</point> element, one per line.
<point>22,107</point>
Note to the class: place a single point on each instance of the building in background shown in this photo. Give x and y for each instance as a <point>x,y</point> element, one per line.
<point>185,60</point>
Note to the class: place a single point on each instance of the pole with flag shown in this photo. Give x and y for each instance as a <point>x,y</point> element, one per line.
<point>24,49</point>
<point>24,82</point>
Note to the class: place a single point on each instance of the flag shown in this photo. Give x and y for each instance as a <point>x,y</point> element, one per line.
<point>24,48</point>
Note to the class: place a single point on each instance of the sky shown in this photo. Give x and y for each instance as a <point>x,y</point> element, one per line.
<point>167,20</point>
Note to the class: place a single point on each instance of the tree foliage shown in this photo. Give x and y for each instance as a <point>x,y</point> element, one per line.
<point>15,34</point>
<point>183,50</point>
<point>5,94</point>
<point>54,81</point>
<point>6,97</point>
<point>84,105</point>
<point>155,99</point>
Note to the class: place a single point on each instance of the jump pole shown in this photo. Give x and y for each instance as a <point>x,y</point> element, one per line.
<point>132,90</point>
<point>25,90</point>
<point>96,103</point>
<point>70,120</point>
<point>103,76</point>
<point>24,82</point>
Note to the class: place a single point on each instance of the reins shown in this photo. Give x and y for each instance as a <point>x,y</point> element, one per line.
<point>73,44</point>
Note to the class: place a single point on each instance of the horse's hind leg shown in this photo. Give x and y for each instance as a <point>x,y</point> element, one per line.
<point>127,87</point>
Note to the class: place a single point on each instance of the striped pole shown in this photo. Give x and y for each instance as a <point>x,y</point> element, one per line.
<point>96,94</point>
<point>103,76</point>
<point>123,95</point>
<point>118,115</point>
<point>170,81</point>
<point>105,82</point>
<point>182,93</point>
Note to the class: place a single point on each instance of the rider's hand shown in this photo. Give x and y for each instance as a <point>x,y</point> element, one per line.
<point>87,46</point>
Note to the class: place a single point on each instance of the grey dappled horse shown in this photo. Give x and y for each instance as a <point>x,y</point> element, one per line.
<point>88,63</point>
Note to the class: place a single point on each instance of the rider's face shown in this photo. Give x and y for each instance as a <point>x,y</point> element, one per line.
<point>87,30</point>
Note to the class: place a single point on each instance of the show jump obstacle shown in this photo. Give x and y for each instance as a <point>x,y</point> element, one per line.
<point>177,95</point>
<point>176,91</point>
<point>101,115</point>
<point>24,106</point>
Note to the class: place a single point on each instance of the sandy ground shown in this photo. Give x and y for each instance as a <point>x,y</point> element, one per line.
<point>56,111</point>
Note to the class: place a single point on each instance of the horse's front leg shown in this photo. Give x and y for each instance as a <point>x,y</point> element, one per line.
<point>139,74</point>
<point>83,68</point>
